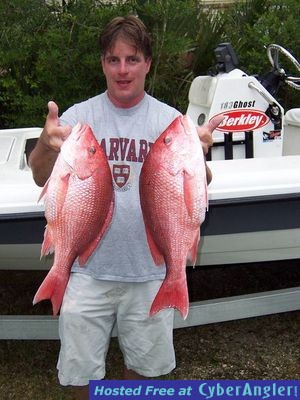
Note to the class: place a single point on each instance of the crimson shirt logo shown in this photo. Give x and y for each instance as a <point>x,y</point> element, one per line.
<point>121,174</point>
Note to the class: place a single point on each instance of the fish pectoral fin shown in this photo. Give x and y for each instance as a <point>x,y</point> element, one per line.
<point>85,255</point>
<point>64,185</point>
<point>62,191</point>
<point>189,192</point>
<point>157,256</point>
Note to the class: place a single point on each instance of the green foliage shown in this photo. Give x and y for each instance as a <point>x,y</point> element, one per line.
<point>49,51</point>
<point>258,23</point>
<point>171,23</point>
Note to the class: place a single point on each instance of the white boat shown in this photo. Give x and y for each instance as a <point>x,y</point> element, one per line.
<point>254,205</point>
<point>21,214</point>
<point>254,197</point>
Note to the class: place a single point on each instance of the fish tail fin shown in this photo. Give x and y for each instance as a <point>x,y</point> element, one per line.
<point>52,288</point>
<point>173,295</point>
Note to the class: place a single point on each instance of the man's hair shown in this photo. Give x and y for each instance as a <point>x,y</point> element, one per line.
<point>130,28</point>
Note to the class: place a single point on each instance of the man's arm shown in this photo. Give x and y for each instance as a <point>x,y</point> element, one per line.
<point>205,135</point>
<point>44,155</point>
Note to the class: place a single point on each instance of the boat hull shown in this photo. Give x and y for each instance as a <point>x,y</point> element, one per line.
<point>235,231</point>
<point>253,215</point>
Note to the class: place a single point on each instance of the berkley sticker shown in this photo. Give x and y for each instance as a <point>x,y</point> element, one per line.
<point>242,120</point>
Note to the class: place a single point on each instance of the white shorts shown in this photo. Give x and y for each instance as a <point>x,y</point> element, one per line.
<point>89,310</point>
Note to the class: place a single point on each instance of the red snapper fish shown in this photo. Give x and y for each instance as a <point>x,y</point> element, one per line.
<point>173,194</point>
<point>79,202</point>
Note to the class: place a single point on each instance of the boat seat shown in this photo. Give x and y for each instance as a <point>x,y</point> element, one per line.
<point>292,117</point>
<point>201,95</point>
<point>202,91</point>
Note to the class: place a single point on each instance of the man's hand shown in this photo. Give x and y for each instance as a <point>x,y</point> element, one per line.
<point>44,155</point>
<point>53,134</point>
<point>205,132</point>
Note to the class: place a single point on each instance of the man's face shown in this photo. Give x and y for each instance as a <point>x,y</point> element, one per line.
<point>125,70</point>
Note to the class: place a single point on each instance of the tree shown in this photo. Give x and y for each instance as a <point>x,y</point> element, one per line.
<point>258,23</point>
<point>49,51</point>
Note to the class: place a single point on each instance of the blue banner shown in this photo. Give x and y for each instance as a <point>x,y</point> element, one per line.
<point>195,390</point>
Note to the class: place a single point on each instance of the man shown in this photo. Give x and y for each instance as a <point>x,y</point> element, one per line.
<point>120,280</point>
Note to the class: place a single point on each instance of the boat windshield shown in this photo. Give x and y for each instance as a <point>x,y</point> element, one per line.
<point>6,146</point>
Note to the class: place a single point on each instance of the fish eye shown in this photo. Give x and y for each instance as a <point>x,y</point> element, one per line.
<point>167,139</point>
<point>92,150</point>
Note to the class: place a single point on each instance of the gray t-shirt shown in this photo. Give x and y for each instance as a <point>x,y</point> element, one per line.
<point>126,136</point>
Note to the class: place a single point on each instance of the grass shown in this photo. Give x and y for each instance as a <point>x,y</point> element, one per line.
<point>257,348</point>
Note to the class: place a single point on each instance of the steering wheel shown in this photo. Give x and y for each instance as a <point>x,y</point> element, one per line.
<point>273,51</point>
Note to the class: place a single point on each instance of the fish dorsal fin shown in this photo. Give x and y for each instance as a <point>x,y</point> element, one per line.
<point>44,190</point>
